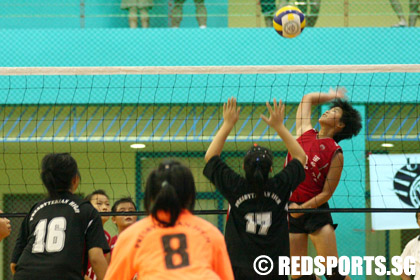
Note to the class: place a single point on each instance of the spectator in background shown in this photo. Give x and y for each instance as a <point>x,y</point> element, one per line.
<point>100,201</point>
<point>135,6</point>
<point>125,204</point>
<point>200,11</point>
<point>268,9</point>
<point>396,6</point>
<point>412,249</point>
<point>414,13</point>
<point>5,227</point>
<point>310,8</point>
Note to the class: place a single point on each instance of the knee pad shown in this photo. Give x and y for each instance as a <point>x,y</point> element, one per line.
<point>306,277</point>
<point>335,275</point>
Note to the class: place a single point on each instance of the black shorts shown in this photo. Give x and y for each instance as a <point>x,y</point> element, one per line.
<point>241,273</point>
<point>311,222</point>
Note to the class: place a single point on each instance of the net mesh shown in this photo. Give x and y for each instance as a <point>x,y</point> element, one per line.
<point>97,117</point>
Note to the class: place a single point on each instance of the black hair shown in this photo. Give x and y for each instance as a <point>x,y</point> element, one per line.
<point>100,192</point>
<point>58,171</point>
<point>122,200</point>
<point>351,119</point>
<point>257,164</point>
<point>169,188</point>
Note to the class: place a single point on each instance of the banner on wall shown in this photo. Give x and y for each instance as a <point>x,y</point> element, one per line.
<point>394,183</point>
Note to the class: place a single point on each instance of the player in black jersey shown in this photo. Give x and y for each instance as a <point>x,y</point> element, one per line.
<point>257,223</point>
<point>60,232</point>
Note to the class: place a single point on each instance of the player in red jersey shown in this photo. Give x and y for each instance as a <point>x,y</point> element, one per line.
<point>100,200</point>
<point>323,172</point>
<point>125,204</point>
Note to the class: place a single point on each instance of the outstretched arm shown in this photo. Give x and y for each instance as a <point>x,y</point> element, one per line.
<point>230,117</point>
<point>331,183</point>
<point>276,122</point>
<point>304,111</point>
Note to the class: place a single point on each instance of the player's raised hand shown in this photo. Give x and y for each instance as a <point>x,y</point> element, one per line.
<point>276,114</point>
<point>339,92</point>
<point>231,112</point>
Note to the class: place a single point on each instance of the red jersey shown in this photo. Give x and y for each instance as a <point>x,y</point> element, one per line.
<point>89,271</point>
<point>320,153</point>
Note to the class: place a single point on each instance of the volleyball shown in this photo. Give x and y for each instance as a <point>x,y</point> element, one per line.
<point>289,21</point>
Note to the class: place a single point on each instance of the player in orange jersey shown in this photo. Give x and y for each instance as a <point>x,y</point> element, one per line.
<point>171,243</point>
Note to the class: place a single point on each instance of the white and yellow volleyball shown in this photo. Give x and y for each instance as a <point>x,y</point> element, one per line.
<point>289,21</point>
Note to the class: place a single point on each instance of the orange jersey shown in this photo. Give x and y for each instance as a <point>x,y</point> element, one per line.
<point>192,249</point>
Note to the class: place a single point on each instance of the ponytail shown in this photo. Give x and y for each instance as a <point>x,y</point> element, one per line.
<point>169,189</point>
<point>257,165</point>
<point>258,181</point>
<point>167,200</point>
<point>49,182</point>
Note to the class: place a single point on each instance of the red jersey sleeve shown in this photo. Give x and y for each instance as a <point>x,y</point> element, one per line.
<point>112,243</point>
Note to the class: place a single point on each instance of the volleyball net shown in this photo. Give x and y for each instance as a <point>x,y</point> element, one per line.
<point>99,113</point>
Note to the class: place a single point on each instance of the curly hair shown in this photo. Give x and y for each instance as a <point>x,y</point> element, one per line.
<point>351,118</point>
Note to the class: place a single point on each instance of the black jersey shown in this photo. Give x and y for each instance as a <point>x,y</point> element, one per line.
<point>55,238</point>
<point>255,227</point>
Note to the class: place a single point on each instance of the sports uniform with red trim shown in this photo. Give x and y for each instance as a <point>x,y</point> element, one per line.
<point>320,153</point>
<point>55,238</point>
<point>90,273</point>
<point>112,242</point>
